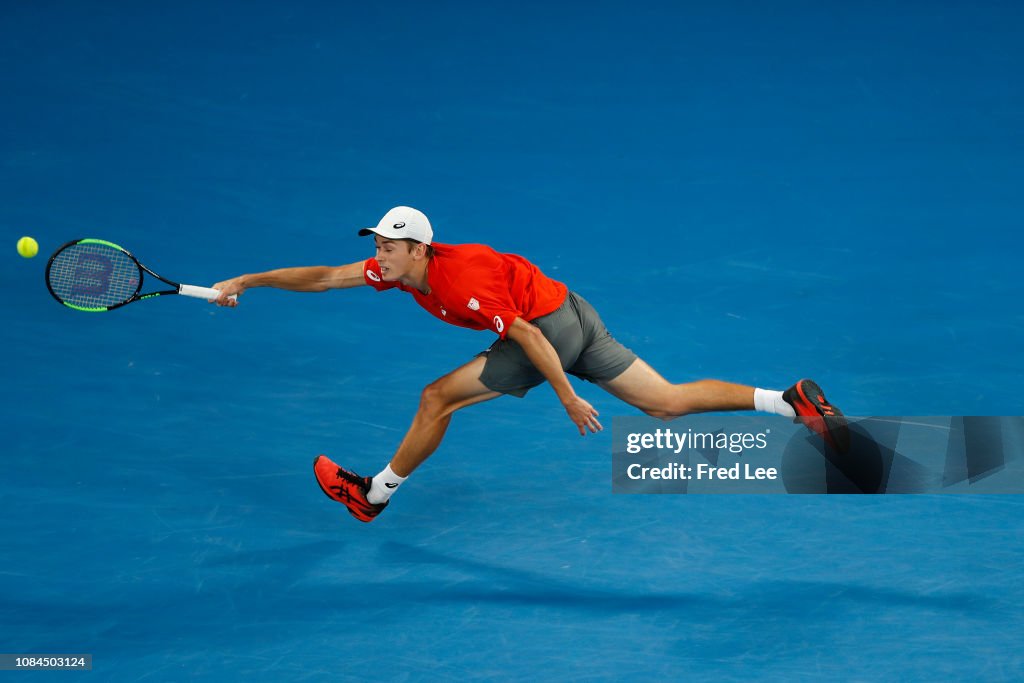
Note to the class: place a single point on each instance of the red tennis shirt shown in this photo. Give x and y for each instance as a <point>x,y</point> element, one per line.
<point>474,286</point>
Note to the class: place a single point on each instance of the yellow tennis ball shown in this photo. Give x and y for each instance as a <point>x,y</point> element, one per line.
<point>28,247</point>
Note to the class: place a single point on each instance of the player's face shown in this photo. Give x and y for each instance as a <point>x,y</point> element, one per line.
<point>395,258</point>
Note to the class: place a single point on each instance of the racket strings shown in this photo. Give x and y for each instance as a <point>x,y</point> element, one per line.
<point>93,276</point>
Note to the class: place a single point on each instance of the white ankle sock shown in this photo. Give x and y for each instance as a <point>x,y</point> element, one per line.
<point>767,401</point>
<point>384,484</point>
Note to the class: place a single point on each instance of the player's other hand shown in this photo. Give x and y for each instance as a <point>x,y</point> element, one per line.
<point>230,290</point>
<point>582,415</point>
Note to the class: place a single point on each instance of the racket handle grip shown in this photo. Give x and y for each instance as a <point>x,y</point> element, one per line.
<point>200,292</point>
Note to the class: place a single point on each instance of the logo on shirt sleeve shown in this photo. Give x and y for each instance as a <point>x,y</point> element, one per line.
<point>473,304</point>
<point>499,324</point>
<point>373,276</point>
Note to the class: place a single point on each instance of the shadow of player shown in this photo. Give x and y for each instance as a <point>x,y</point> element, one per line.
<point>809,465</point>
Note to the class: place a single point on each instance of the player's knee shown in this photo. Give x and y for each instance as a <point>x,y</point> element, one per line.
<point>434,401</point>
<point>668,406</point>
<point>431,398</point>
<point>662,414</point>
<point>660,399</point>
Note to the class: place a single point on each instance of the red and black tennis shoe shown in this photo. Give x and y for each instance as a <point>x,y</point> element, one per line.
<point>814,410</point>
<point>347,488</point>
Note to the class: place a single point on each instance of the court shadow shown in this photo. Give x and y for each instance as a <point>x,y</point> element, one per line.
<point>496,584</point>
<point>809,465</point>
<point>265,596</point>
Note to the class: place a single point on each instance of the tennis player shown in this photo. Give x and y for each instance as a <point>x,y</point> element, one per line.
<point>545,332</point>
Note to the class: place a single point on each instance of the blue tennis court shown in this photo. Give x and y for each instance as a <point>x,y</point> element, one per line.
<point>748,192</point>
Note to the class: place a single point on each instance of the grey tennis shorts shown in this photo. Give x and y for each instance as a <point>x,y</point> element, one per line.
<point>584,346</point>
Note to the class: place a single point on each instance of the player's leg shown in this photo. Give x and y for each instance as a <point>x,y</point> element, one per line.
<point>619,371</point>
<point>641,386</point>
<point>606,362</point>
<point>458,389</point>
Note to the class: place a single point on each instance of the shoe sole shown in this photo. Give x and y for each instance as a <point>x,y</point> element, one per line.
<point>836,432</point>
<point>326,493</point>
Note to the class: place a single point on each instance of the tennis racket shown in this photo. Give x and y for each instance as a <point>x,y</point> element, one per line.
<point>95,275</point>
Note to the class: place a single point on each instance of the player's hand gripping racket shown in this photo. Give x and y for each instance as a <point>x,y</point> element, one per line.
<point>96,275</point>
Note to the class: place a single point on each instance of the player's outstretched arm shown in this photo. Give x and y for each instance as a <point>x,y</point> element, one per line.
<point>301,279</point>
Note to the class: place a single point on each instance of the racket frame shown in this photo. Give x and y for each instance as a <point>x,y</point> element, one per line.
<point>185,290</point>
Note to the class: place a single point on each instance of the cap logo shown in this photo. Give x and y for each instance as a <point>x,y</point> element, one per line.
<point>399,226</point>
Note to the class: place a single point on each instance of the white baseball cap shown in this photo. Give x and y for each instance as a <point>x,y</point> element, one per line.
<point>403,223</point>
